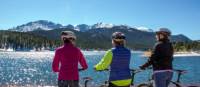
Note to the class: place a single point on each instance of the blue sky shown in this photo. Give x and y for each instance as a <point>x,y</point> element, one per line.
<point>181,16</point>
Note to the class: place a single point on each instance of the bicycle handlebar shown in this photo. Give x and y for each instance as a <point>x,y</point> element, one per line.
<point>180,71</point>
<point>81,69</point>
<point>87,78</point>
<point>136,70</point>
<point>132,70</point>
<point>140,70</point>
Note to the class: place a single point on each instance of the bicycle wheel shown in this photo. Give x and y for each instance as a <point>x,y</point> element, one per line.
<point>144,85</point>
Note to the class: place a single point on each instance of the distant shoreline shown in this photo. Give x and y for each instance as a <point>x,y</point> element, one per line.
<point>180,54</point>
<point>93,85</point>
<point>176,54</point>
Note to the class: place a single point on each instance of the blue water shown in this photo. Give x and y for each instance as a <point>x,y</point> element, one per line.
<point>34,68</point>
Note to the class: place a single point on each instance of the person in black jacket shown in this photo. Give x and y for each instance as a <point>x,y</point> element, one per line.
<point>161,59</point>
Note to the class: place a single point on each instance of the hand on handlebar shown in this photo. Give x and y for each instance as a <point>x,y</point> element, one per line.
<point>81,69</point>
<point>142,67</point>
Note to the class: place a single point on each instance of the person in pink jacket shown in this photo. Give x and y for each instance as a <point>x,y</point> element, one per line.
<point>66,61</point>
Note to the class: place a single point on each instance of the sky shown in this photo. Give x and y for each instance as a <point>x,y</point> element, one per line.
<point>180,16</point>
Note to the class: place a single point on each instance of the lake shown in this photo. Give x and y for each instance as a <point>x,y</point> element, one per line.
<point>34,68</point>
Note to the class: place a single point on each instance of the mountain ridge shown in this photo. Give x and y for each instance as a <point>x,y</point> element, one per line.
<point>48,25</point>
<point>135,38</point>
<point>100,32</point>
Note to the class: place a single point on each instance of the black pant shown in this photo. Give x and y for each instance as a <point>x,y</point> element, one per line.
<point>68,83</point>
<point>112,85</point>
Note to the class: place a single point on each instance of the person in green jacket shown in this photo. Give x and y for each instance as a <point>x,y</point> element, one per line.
<point>118,59</point>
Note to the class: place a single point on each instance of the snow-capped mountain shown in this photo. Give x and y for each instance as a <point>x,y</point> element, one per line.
<point>82,27</point>
<point>145,29</point>
<point>102,25</point>
<point>69,26</point>
<point>122,26</point>
<point>97,31</point>
<point>48,25</point>
<point>41,24</point>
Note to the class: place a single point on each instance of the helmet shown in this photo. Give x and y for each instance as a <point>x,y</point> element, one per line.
<point>164,31</point>
<point>68,35</point>
<point>118,36</point>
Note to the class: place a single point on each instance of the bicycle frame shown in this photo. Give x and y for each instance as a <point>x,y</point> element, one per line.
<point>133,73</point>
<point>86,79</point>
<point>176,83</point>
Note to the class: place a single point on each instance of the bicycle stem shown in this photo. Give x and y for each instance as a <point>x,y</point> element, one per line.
<point>132,79</point>
<point>179,76</point>
<point>86,83</point>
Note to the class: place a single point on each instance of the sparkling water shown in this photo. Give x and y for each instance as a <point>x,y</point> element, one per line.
<point>34,68</point>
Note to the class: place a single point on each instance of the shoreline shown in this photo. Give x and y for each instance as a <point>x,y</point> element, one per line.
<point>176,54</point>
<point>192,53</point>
<point>81,85</point>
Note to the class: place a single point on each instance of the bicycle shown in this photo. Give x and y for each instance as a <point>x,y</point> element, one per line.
<point>149,83</point>
<point>133,73</point>
<point>177,82</point>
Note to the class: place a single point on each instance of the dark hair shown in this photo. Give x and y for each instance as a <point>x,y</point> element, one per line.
<point>66,40</point>
<point>165,39</point>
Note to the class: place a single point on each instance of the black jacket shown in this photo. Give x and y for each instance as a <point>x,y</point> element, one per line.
<point>162,56</point>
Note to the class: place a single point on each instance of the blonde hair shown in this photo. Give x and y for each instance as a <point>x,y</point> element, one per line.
<point>119,41</point>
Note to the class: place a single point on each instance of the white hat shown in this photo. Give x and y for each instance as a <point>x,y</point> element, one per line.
<point>164,30</point>
<point>68,34</point>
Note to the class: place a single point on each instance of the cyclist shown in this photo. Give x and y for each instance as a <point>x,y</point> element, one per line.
<point>161,59</point>
<point>118,58</point>
<point>66,61</point>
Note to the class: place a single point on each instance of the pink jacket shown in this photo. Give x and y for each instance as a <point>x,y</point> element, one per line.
<point>66,61</point>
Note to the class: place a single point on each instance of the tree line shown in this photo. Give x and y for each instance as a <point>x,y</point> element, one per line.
<point>187,46</point>
<point>25,41</point>
<point>21,41</point>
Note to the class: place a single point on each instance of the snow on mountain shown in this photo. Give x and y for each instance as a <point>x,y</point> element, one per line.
<point>145,29</point>
<point>82,27</point>
<point>48,25</point>
<point>41,24</point>
<point>69,26</point>
<point>102,25</point>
